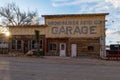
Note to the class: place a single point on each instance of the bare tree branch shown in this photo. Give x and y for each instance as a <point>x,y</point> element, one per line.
<point>11,15</point>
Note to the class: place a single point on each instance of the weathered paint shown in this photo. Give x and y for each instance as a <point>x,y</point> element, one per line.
<point>68,26</point>
<point>75,26</point>
<point>27,30</point>
<point>73,31</point>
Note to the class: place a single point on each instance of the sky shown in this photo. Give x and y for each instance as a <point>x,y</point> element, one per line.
<point>47,7</point>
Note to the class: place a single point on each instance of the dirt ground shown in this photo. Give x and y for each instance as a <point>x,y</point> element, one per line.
<point>58,68</point>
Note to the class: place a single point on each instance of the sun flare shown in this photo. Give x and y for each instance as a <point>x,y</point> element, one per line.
<point>7,34</point>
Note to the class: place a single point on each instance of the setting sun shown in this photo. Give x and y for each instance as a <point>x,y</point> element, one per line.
<point>7,34</point>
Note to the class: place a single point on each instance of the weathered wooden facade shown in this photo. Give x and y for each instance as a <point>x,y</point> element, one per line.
<point>63,35</point>
<point>3,44</point>
<point>23,38</point>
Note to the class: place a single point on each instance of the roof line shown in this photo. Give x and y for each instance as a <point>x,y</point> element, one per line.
<point>60,15</point>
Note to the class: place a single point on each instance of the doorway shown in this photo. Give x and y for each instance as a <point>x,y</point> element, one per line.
<point>73,50</point>
<point>63,49</point>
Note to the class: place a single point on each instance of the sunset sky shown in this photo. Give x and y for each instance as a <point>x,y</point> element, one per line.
<point>47,7</point>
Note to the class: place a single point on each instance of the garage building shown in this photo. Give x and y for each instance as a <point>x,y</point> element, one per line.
<point>63,35</point>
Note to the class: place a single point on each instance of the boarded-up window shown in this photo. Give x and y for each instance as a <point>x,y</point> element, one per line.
<point>34,45</point>
<point>3,45</point>
<point>90,48</point>
<point>13,44</point>
<point>52,47</point>
<point>18,44</point>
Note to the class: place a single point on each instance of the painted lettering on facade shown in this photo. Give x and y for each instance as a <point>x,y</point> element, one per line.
<point>74,27</point>
<point>82,22</point>
<point>72,30</point>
